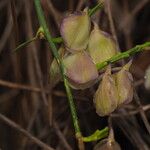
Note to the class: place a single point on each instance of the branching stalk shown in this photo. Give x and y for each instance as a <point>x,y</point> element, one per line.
<point>57,39</point>
<point>44,29</point>
<point>47,34</point>
<point>95,9</point>
<point>24,44</point>
<point>122,55</point>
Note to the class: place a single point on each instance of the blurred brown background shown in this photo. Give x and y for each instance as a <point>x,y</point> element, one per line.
<point>26,96</point>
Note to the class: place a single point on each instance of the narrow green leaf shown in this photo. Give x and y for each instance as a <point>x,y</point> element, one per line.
<point>97,135</point>
<point>93,10</point>
<point>24,44</point>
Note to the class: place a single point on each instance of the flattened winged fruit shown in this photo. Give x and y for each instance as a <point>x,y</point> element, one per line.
<point>80,70</point>
<point>75,31</point>
<point>106,96</point>
<point>101,47</point>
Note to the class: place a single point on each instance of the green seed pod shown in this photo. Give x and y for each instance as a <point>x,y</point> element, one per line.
<point>80,70</point>
<point>107,145</point>
<point>55,75</point>
<point>101,47</point>
<point>106,96</point>
<point>124,83</point>
<point>75,31</point>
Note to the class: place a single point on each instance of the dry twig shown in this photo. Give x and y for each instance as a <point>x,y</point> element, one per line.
<point>24,132</point>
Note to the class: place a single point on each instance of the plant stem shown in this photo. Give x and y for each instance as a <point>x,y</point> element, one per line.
<point>47,34</point>
<point>97,135</point>
<point>95,9</point>
<point>122,55</point>
<point>113,59</point>
<point>24,44</point>
<point>55,40</point>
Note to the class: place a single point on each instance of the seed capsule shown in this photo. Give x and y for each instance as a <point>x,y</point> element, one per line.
<point>107,145</point>
<point>101,47</point>
<point>75,31</point>
<point>106,96</point>
<point>80,70</point>
<point>124,83</point>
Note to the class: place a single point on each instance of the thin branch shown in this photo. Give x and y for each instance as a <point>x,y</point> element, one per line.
<point>131,129</point>
<point>24,132</point>
<point>80,4</point>
<point>95,9</point>
<point>24,44</point>
<point>54,12</point>
<point>134,12</point>
<point>21,86</point>
<point>130,113</point>
<point>47,34</point>
<point>3,4</point>
<point>142,112</point>
<point>35,58</point>
<point>6,32</point>
<point>18,86</point>
<point>97,135</point>
<point>111,22</point>
<point>127,30</point>
<point>126,54</point>
<point>70,5</point>
<point>122,55</point>
<point>61,136</point>
<point>65,133</point>
<point>57,39</point>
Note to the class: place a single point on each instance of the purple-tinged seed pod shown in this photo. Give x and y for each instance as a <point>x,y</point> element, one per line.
<point>106,96</point>
<point>75,31</point>
<point>107,145</point>
<point>55,75</point>
<point>124,83</point>
<point>101,46</point>
<point>80,70</point>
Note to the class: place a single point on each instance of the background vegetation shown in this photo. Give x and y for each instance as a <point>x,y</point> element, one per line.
<point>26,96</point>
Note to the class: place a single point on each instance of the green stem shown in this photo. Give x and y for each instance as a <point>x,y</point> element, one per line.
<point>95,9</point>
<point>47,34</point>
<point>25,44</point>
<point>122,55</point>
<point>97,135</point>
<point>55,40</point>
